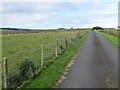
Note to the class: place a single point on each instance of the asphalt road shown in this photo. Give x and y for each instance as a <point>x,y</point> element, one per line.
<point>96,65</point>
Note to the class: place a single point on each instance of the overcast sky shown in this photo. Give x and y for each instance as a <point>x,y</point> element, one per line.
<point>48,14</point>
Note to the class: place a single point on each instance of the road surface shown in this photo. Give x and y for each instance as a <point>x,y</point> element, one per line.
<point>96,65</point>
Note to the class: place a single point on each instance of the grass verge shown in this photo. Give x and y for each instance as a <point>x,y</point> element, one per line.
<point>49,77</point>
<point>112,38</point>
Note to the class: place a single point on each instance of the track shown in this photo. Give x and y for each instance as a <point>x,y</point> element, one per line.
<point>96,65</point>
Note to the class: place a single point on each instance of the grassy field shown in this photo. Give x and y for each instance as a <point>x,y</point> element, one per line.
<point>12,44</point>
<point>19,48</point>
<point>5,30</point>
<point>49,77</point>
<point>112,38</point>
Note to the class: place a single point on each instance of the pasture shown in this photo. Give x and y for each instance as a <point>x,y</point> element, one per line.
<point>25,51</point>
<point>5,30</point>
<point>13,44</point>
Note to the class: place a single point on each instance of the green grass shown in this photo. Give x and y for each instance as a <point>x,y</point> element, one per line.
<point>19,47</point>
<point>113,39</point>
<point>49,77</point>
<point>12,44</point>
<point>5,30</point>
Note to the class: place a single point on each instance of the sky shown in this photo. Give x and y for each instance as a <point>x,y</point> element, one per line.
<point>52,14</point>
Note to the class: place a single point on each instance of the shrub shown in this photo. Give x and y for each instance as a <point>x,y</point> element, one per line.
<point>25,68</point>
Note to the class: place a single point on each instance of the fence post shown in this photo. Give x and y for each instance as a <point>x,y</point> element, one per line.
<point>56,52</point>
<point>3,73</point>
<point>42,55</point>
<point>116,32</point>
<point>65,42</point>
<point>6,72</point>
<point>112,32</point>
<point>70,41</point>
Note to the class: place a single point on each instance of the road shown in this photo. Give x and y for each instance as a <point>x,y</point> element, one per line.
<point>96,65</point>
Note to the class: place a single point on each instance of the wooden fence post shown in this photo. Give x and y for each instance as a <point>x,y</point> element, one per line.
<point>65,41</point>
<point>112,32</point>
<point>70,41</point>
<point>56,52</point>
<point>42,55</point>
<point>6,72</point>
<point>3,74</point>
<point>116,33</point>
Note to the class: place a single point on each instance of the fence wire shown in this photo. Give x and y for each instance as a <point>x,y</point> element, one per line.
<point>24,65</point>
<point>113,32</point>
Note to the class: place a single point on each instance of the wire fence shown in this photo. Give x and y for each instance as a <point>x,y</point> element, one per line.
<point>113,32</point>
<point>20,67</point>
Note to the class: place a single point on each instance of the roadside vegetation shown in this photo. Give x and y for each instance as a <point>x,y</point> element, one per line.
<point>48,77</point>
<point>112,38</point>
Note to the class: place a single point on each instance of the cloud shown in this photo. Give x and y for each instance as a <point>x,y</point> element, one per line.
<point>59,14</point>
<point>15,19</point>
<point>59,1</point>
<point>26,7</point>
<point>76,21</point>
<point>15,13</point>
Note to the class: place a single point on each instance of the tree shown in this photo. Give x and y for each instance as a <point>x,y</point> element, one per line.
<point>61,28</point>
<point>97,28</point>
<point>71,28</point>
